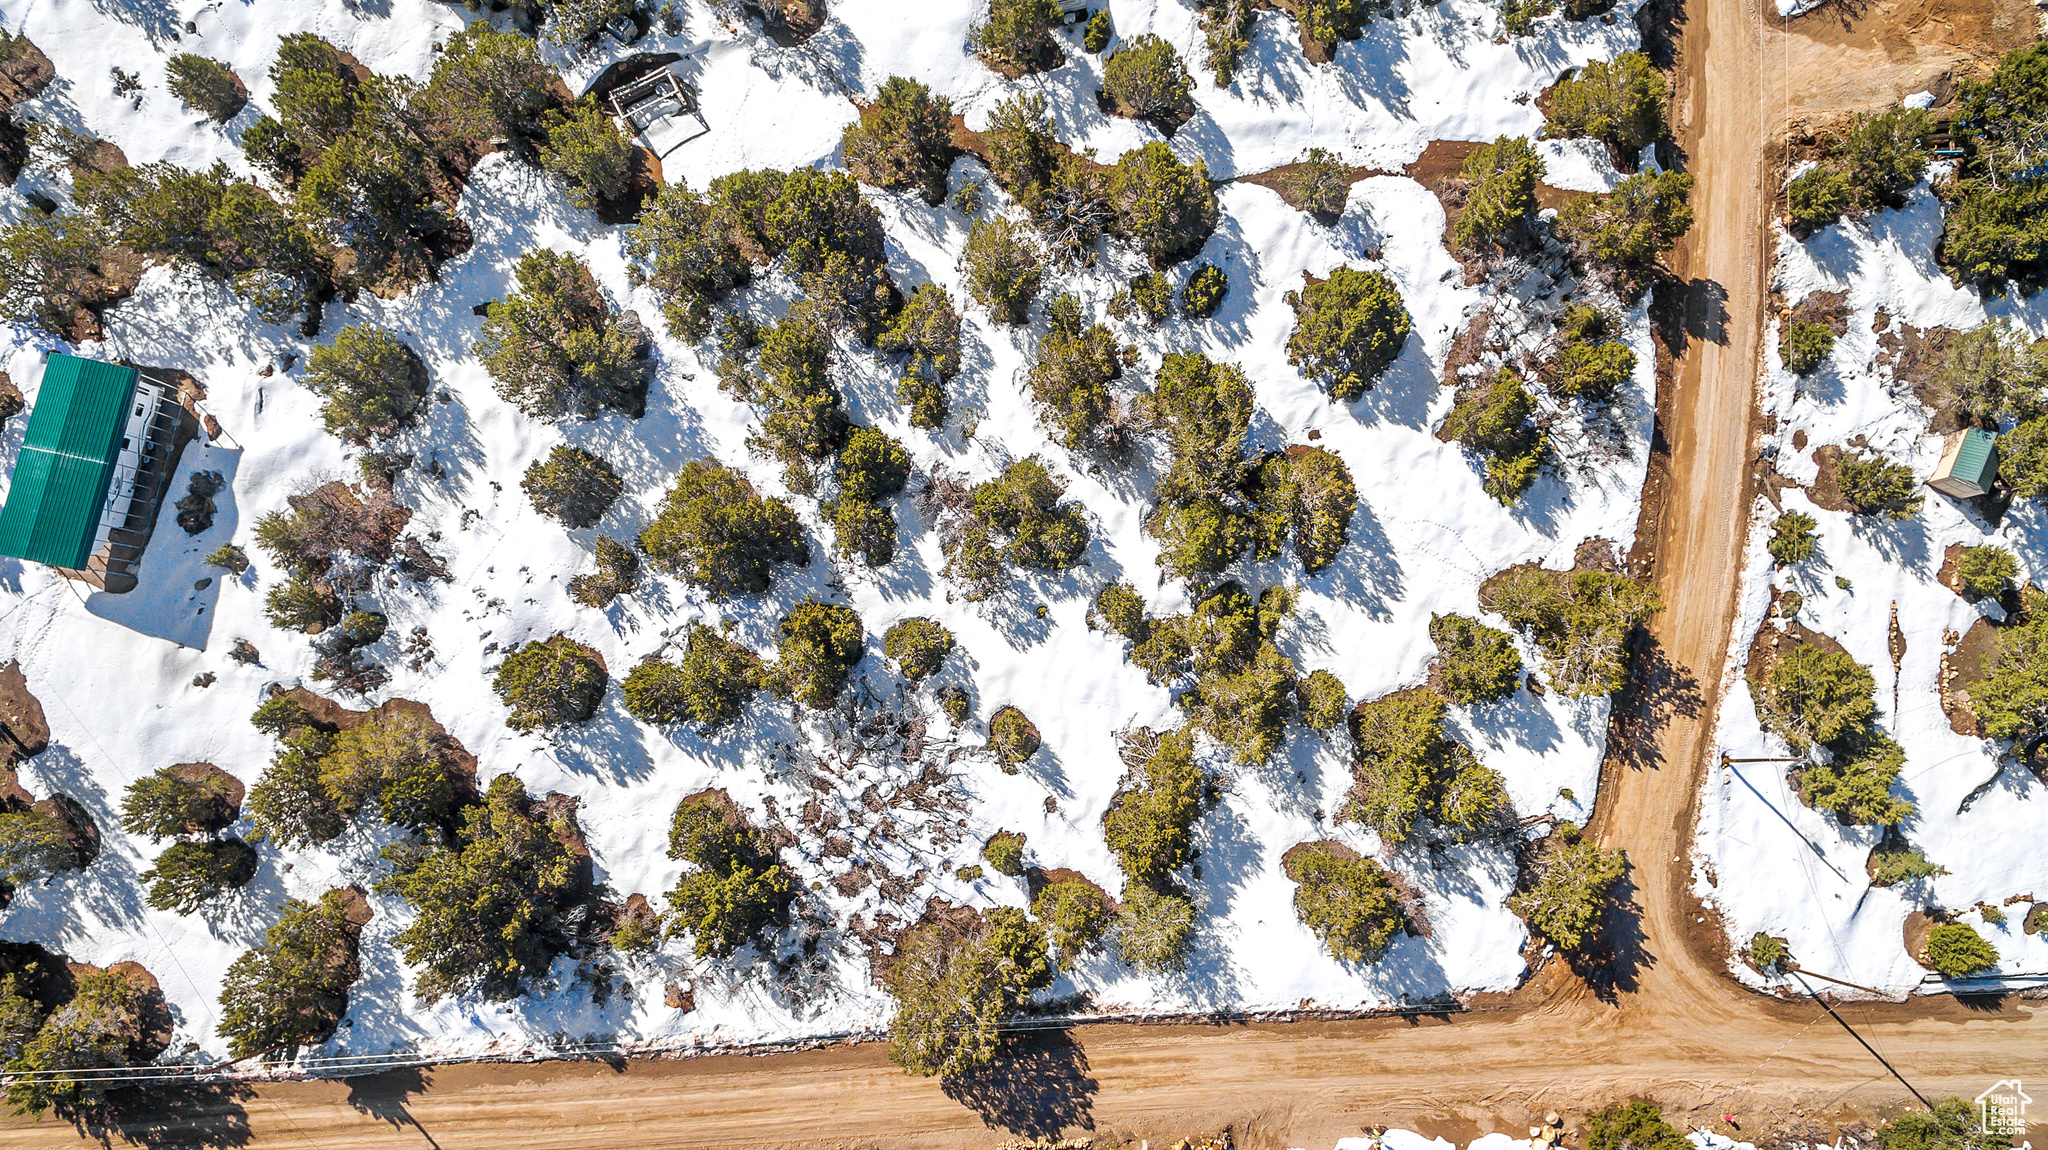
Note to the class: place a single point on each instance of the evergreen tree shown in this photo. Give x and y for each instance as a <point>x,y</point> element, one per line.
<point>1162,205</point>
<point>716,533</point>
<point>817,644</point>
<point>1149,826</point>
<point>291,990</point>
<point>1321,184</point>
<point>1571,890</point>
<point>1016,38</point>
<point>188,875</point>
<point>1875,485</point>
<point>1070,376</point>
<point>1146,79</point>
<point>587,154</point>
<point>34,847</point>
<point>1493,420</point>
<point>738,893</point>
<point>1347,330</point>
<point>711,686</point>
<point>1792,538</point>
<point>1003,269</point>
<point>1349,902</point>
<point>1591,361</point>
<point>1475,663</point>
<point>905,140</point>
<point>1628,230</point>
<point>1805,346</point>
<point>1500,201</point>
<point>168,804</point>
<point>483,908</point>
<point>550,683</point>
<point>100,1029</point>
<point>1621,102</point>
<point>572,485</point>
<point>370,383</point>
<point>1154,929</point>
<point>557,348</point>
<point>489,84</point>
<point>1580,621</point>
<point>1308,493</point>
<point>686,253</point>
<point>917,646</point>
<point>208,85</point>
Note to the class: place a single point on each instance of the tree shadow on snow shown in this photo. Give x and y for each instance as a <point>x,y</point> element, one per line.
<point>1037,1087</point>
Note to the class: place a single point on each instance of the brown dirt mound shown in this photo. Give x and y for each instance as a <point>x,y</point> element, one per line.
<point>1963,668</point>
<point>24,732</point>
<point>1036,879</point>
<point>1826,489</point>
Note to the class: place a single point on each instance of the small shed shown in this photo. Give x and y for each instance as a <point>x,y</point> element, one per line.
<point>1969,465</point>
<point>91,470</point>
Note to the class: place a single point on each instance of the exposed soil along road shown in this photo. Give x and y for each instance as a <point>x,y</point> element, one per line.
<point>1660,1021</point>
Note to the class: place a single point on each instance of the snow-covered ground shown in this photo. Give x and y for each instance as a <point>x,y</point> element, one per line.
<point>115,673</point>
<point>1770,863</point>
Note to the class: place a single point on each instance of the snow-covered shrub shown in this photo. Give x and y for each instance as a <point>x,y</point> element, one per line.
<point>1076,914</point>
<point>1149,827</point>
<point>481,907</point>
<point>206,84</point>
<point>1004,851</point>
<point>1579,620</point>
<point>1146,80</point>
<point>684,250</point>
<point>1016,38</point>
<point>1012,738</point>
<point>1875,485</point>
<point>572,485</point>
<point>618,568</point>
<point>714,532</point>
<point>587,154</point>
<point>1305,492</point>
<point>1957,951</point>
<point>1793,539</point>
<point>1805,346</point>
<point>550,683</point>
<point>1495,420</point>
<point>738,892</point>
<point>1321,698</point>
<point>1163,206</point>
<point>1627,231</point>
<point>1002,268</point>
<point>1500,197</point>
<point>1070,374</point>
<point>1986,571</point>
<point>1348,901</point>
<point>917,646</point>
<point>1475,663</point>
<point>1564,905</point>
<point>1154,929</point>
<point>1347,330</point>
<point>291,990</point>
<point>169,803</point>
<point>905,140</point>
<point>817,644</point>
<point>188,875</point>
<point>1204,292</point>
<point>557,347</point>
<point>710,686</point>
<point>1406,770</point>
<point>1620,102</point>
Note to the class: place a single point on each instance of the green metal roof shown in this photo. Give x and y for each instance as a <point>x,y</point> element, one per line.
<point>1977,458</point>
<point>66,462</point>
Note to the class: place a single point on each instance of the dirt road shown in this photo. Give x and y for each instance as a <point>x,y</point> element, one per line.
<point>1660,1021</point>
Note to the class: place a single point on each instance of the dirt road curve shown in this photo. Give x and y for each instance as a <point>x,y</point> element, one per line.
<point>1661,1021</point>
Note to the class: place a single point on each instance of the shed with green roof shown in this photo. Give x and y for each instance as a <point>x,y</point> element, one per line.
<point>100,447</point>
<point>1969,465</point>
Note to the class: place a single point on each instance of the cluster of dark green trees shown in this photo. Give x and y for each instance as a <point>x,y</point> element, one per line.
<point>1994,227</point>
<point>1868,165</point>
<point>394,763</point>
<point>1818,698</point>
<point>1580,621</point>
<point>1405,770</point>
<point>58,1028</point>
<point>191,804</point>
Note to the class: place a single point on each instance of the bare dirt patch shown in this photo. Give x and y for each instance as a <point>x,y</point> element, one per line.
<point>1962,668</point>
<point>1826,488</point>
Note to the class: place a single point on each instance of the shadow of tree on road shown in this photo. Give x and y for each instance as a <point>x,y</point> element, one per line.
<point>384,1096</point>
<point>184,1115</point>
<point>1658,690</point>
<point>1038,1086</point>
<point>1612,964</point>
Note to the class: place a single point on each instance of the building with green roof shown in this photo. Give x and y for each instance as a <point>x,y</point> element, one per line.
<point>93,463</point>
<point>1969,465</point>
